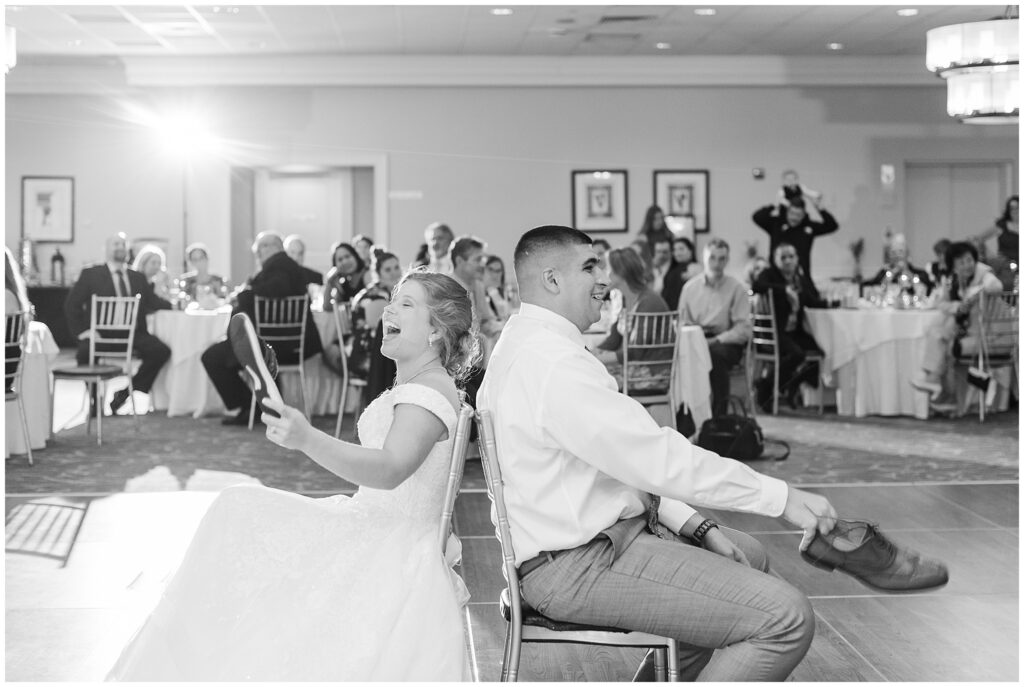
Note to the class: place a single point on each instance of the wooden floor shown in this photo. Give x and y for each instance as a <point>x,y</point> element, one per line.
<point>82,570</point>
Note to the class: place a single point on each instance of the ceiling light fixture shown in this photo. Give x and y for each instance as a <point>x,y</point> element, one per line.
<point>705,11</point>
<point>501,11</point>
<point>662,46</point>
<point>979,61</point>
<point>835,46</point>
<point>907,12</point>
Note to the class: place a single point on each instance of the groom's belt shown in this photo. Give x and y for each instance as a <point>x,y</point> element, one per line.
<point>540,559</point>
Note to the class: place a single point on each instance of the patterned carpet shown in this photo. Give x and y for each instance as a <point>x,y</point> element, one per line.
<point>169,454</point>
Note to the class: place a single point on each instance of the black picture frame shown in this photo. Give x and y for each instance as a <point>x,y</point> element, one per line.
<point>48,209</point>
<point>684,195</point>
<point>600,200</point>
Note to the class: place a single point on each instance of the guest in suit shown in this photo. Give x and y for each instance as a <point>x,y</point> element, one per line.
<point>114,278</point>
<point>151,263</point>
<point>791,291</point>
<point>796,227</point>
<point>279,276</point>
<point>295,247</point>
<point>198,259</point>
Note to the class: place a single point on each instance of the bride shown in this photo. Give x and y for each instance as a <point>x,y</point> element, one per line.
<point>280,587</point>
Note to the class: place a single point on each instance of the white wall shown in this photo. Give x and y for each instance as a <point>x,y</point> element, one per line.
<point>497,161</point>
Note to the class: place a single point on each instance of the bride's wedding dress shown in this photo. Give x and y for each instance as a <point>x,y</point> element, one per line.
<point>280,587</point>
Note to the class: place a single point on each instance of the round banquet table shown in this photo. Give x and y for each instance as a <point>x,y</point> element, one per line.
<point>183,388</point>
<point>40,353</point>
<point>870,357</point>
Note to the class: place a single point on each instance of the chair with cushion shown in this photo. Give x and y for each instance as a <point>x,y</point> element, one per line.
<point>763,347</point>
<point>526,624</point>
<point>648,354</point>
<point>995,346</point>
<point>14,364</point>
<point>112,336</point>
<point>281,322</point>
<point>343,323</point>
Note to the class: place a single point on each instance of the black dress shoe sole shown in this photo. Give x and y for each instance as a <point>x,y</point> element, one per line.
<point>249,352</point>
<point>828,567</point>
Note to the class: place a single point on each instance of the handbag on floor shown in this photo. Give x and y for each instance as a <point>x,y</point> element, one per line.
<point>735,435</point>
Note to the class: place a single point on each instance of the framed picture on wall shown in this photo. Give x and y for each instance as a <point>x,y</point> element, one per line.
<point>48,209</point>
<point>684,195</point>
<point>599,200</point>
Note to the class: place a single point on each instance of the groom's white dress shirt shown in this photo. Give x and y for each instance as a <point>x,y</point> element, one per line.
<point>577,456</point>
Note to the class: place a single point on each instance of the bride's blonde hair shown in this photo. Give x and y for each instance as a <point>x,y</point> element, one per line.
<point>451,311</point>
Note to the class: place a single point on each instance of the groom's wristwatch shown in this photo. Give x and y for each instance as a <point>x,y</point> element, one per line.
<point>702,530</point>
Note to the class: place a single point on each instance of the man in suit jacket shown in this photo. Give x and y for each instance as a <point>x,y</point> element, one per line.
<point>114,278</point>
<point>791,291</point>
<point>279,276</point>
<point>295,247</point>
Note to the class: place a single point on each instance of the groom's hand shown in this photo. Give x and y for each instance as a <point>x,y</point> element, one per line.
<point>716,542</point>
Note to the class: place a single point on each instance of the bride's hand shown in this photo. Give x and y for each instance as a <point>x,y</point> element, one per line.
<point>290,430</point>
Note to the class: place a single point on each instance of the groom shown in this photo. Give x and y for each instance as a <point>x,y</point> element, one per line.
<point>580,463</point>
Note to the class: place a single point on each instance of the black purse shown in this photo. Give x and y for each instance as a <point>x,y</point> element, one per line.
<point>736,435</point>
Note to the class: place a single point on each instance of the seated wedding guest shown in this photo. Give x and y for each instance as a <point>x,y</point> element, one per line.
<point>654,227</point>
<point>583,465</point>
<point>295,247</point>
<point>898,268</point>
<point>364,246</point>
<point>278,276</point>
<point>684,266</point>
<point>439,239</point>
<point>936,269</point>
<point>15,300</point>
<point>958,332</point>
<point>754,268</point>
<point>466,256</point>
<point>367,308</point>
<point>152,264</point>
<point>347,277</point>
<point>601,247</point>
<point>494,287</point>
<point>720,306</point>
<point>626,273</point>
<point>661,262</point>
<point>114,278</point>
<point>791,291</point>
<point>422,258</point>
<point>198,259</point>
<point>795,228</point>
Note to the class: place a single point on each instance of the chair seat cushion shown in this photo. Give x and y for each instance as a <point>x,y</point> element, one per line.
<point>89,371</point>
<point>532,617</point>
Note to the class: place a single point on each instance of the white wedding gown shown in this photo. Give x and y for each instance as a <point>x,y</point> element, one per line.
<point>280,587</point>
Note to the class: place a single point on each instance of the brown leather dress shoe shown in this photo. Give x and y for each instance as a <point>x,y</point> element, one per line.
<point>859,549</point>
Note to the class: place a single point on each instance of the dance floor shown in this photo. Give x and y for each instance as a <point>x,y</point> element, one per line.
<point>94,532</point>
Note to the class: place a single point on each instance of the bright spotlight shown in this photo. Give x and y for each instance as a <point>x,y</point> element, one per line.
<point>185,134</point>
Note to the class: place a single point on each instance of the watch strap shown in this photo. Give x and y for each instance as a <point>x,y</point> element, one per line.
<point>702,530</point>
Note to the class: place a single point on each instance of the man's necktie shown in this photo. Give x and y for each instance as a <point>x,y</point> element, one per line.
<point>652,516</point>
<point>122,284</point>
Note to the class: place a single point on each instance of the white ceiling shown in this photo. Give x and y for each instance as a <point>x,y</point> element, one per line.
<point>48,32</point>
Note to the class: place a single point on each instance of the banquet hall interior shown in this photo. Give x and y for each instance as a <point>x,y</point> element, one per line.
<point>209,124</point>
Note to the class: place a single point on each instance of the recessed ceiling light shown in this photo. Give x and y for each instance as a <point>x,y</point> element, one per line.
<point>75,43</point>
<point>835,46</point>
<point>705,12</point>
<point>662,46</point>
<point>501,11</point>
<point>908,12</point>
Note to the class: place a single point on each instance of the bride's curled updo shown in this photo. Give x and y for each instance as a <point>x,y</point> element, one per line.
<point>451,311</point>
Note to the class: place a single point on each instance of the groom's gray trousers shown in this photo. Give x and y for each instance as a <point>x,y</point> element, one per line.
<point>628,578</point>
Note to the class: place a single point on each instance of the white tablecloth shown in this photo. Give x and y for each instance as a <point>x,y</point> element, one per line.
<point>691,385</point>
<point>183,388</point>
<point>40,353</point>
<point>871,356</point>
